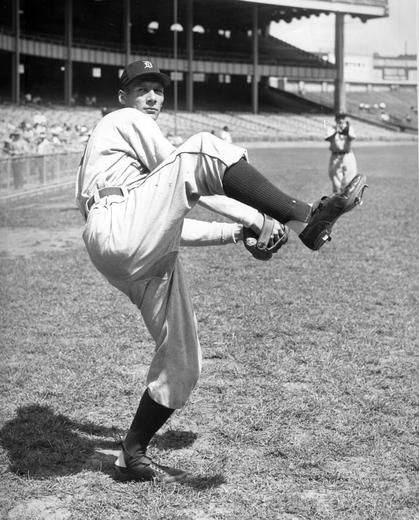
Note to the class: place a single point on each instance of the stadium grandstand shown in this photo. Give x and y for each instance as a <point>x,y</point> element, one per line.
<point>394,108</point>
<point>64,60</point>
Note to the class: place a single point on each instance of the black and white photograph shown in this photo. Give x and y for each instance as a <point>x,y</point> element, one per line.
<point>209,274</point>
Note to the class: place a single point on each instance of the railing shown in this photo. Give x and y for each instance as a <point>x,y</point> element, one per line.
<point>28,172</point>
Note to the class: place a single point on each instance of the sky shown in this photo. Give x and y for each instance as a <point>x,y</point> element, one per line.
<point>388,36</point>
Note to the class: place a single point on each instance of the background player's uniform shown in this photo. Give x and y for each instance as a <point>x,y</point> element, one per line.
<point>342,162</point>
<point>133,238</point>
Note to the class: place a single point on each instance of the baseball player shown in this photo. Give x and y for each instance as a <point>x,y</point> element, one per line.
<point>226,135</point>
<point>342,162</point>
<point>135,190</point>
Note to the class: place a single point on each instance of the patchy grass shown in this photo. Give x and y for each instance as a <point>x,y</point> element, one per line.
<point>306,405</point>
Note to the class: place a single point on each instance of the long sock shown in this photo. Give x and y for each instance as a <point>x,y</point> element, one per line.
<point>149,418</point>
<point>246,184</point>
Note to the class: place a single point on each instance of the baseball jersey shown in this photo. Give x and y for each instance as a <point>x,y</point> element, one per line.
<point>123,148</point>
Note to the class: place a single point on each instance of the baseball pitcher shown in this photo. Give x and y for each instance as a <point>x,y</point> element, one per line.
<point>135,191</point>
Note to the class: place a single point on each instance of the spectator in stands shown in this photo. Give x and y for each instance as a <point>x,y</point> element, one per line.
<point>56,132</point>
<point>27,132</point>
<point>226,135</point>
<point>43,145</point>
<point>342,163</point>
<point>90,101</point>
<point>301,88</point>
<point>83,133</point>
<point>40,119</point>
<point>16,147</point>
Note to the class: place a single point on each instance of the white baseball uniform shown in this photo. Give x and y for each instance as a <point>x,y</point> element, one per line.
<point>342,162</point>
<point>133,238</point>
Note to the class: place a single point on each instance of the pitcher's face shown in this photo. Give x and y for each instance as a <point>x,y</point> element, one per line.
<point>145,96</point>
<point>341,124</point>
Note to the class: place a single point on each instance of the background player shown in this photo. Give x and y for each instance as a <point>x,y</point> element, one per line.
<point>135,190</point>
<point>342,162</point>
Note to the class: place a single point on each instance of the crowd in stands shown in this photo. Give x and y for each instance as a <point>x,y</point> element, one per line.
<point>39,136</point>
<point>393,108</point>
<point>44,130</point>
<point>381,110</point>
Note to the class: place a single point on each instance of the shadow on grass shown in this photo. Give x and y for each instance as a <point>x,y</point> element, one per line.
<point>41,443</point>
<point>174,440</point>
<point>201,483</point>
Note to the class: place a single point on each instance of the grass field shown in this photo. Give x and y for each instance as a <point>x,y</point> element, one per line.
<point>307,401</point>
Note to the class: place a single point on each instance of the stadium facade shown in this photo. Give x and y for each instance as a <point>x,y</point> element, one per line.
<point>77,48</point>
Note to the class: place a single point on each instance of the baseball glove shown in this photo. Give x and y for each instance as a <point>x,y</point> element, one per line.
<point>271,238</point>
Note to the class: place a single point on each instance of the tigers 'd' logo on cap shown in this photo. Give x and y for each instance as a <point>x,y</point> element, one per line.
<point>143,68</point>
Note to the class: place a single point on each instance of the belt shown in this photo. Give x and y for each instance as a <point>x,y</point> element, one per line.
<point>339,153</point>
<point>104,192</point>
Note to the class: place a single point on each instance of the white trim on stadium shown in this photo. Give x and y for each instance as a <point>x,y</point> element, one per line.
<point>326,6</point>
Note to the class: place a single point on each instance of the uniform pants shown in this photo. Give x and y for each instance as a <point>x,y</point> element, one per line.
<point>134,241</point>
<point>342,169</point>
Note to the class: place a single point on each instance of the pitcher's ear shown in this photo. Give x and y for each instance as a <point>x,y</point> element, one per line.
<point>122,97</point>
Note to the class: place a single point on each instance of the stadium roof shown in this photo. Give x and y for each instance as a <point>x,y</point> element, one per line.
<point>371,8</point>
<point>236,15</point>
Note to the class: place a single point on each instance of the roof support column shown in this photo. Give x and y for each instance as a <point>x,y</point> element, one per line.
<point>175,59</point>
<point>340,94</point>
<point>68,74</point>
<point>16,54</point>
<point>189,53</point>
<point>255,53</point>
<point>127,31</point>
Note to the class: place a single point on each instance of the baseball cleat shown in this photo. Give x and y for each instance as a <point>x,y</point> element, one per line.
<point>143,469</point>
<point>328,210</point>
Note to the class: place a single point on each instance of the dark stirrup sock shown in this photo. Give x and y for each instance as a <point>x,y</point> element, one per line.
<point>246,184</point>
<point>149,418</point>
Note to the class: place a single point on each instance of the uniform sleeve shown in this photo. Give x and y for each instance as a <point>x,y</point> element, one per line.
<point>146,139</point>
<point>201,233</point>
<point>351,132</point>
<point>330,132</point>
<point>230,208</point>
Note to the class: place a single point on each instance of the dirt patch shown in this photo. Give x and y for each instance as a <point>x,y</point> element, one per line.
<point>27,241</point>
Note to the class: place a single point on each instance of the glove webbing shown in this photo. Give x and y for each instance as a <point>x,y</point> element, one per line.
<point>266,232</point>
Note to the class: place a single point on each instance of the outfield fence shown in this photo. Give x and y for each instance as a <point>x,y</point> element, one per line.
<point>25,173</point>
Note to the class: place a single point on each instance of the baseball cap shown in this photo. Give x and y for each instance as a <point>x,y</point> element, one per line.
<point>340,115</point>
<point>144,69</point>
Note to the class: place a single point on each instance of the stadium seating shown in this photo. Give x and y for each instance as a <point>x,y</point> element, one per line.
<point>206,46</point>
<point>392,107</point>
<point>67,129</point>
